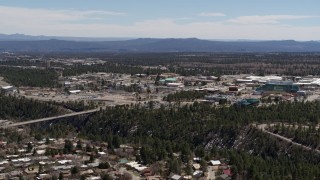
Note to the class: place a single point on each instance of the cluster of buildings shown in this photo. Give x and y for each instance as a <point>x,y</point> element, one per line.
<point>52,158</point>
<point>281,84</point>
<point>250,90</point>
<point>216,169</point>
<point>236,89</point>
<point>33,160</point>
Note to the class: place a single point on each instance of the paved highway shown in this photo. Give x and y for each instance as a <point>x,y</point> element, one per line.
<point>50,118</point>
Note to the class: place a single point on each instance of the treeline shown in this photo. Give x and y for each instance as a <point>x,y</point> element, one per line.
<point>78,106</point>
<point>29,63</point>
<point>24,109</point>
<point>184,96</point>
<point>291,64</point>
<point>108,68</point>
<point>246,166</point>
<point>228,63</point>
<point>194,71</point>
<point>29,77</point>
<point>192,123</point>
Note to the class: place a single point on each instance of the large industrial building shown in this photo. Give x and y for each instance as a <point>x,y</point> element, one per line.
<point>259,79</point>
<point>278,87</point>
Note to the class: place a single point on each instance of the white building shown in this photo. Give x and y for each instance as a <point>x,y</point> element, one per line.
<point>9,89</point>
<point>259,79</point>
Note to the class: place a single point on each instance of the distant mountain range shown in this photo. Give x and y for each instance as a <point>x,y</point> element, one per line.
<point>23,37</point>
<point>25,43</point>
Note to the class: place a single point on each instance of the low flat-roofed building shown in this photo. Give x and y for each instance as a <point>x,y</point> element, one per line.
<point>308,82</point>
<point>196,166</point>
<point>175,85</point>
<point>278,86</point>
<point>9,89</point>
<point>170,80</point>
<point>215,162</point>
<point>74,91</point>
<point>175,177</point>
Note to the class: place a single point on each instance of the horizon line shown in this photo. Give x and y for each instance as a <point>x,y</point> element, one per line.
<point>100,38</point>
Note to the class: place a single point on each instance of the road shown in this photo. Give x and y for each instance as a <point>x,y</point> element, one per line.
<point>211,173</point>
<point>50,118</point>
<point>263,128</point>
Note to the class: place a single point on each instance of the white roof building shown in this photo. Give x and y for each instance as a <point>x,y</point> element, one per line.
<point>102,153</point>
<point>64,161</point>
<point>260,79</point>
<point>74,91</point>
<point>197,173</point>
<point>41,152</point>
<point>6,87</point>
<point>175,177</point>
<point>136,166</point>
<point>309,82</point>
<point>21,160</point>
<point>9,88</point>
<point>196,166</point>
<point>215,162</point>
<point>61,167</point>
<point>175,85</point>
<point>4,162</point>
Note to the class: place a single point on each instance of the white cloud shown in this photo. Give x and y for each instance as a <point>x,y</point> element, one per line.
<point>96,12</point>
<point>268,19</point>
<point>25,15</point>
<point>57,23</point>
<point>208,14</point>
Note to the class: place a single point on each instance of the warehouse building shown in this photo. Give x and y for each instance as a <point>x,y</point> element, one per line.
<point>278,87</point>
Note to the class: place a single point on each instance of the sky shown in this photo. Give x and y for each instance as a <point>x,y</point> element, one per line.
<point>203,19</point>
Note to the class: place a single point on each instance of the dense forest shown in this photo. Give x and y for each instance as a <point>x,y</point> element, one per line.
<point>297,64</point>
<point>306,135</point>
<point>12,107</point>
<point>23,62</point>
<point>29,77</point>
<point>187,64</point>
<point>186,123</point>
<point>204,131</point>
<point>184,96</point>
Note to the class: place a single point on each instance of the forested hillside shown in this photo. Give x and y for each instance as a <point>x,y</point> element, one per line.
<point>306,135</point>
<point>211,132</point>
<point>191,124</point>
<point>24,109</point>
<point>200,130</point>
<point>29,77</point>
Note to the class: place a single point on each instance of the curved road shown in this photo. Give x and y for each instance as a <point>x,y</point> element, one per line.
<point>50,118</point>
<point>263,128</point>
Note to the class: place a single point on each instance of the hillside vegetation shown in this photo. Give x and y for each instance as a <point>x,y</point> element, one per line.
<point>210,132</point>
